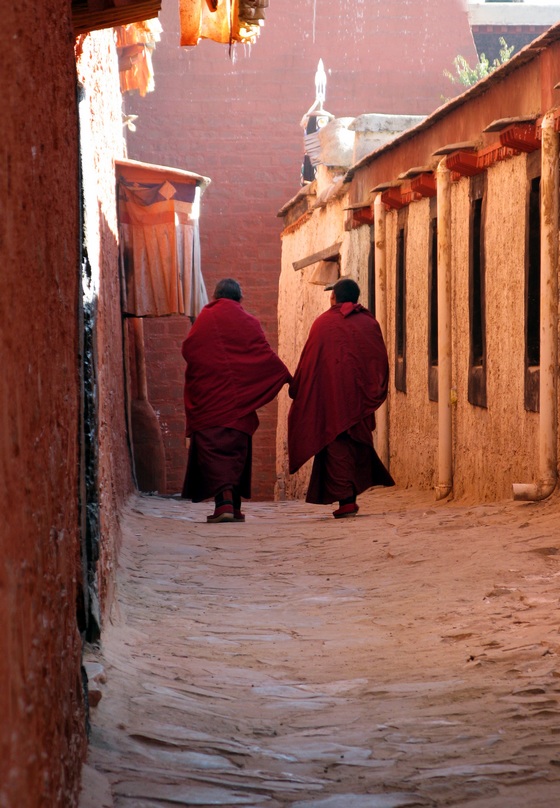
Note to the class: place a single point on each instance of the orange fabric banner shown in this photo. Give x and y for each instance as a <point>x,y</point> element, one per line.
<point>199,21</point>
<point>160,249</point>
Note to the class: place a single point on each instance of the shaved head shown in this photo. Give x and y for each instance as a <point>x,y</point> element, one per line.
<point>229,289</point>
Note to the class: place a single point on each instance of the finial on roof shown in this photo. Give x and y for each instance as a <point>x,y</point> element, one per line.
<point>316,111</point>
<point>320,84</point>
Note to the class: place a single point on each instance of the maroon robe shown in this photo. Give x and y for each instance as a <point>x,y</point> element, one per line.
<point>219,460</point>
<point>231,372</point>
<point>341,379</point>
<point>231,368</point>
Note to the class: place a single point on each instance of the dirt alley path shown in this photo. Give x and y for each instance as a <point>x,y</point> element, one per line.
<point>408,657</point>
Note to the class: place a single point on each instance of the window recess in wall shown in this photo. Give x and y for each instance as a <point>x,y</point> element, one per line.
<point>400,302</point>
<point>533,285</point>
<point>433,304</point>
<point>477,297</point>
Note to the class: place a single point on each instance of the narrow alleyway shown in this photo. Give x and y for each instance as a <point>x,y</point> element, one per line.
<point>408,657</point>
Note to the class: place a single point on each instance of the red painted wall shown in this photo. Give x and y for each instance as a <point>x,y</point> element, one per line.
<point>97,69</point>
<point>42,718</point>
<point>42,726</point>
<point>237,121</point>
<point>165,369</point>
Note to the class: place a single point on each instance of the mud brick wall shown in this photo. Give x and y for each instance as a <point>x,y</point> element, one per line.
<point>102,143</point>
<point>42,727</point>
<point>165,369</point>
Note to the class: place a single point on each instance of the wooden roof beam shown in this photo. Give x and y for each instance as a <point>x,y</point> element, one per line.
<point>328,254</point>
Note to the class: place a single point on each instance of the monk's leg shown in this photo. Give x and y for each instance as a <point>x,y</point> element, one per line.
<point>332,475</point>
<point>238,515</point>
<point>341,475</point>
<point>345,468</point>
<point>219,464</point>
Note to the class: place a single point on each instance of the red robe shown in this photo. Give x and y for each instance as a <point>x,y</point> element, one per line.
<point>341,379</point>
<point>231,369</point>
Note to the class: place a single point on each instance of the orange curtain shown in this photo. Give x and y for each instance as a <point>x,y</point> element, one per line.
<point>160,249</point>
<point>135,44</point>
<point>200,21</point>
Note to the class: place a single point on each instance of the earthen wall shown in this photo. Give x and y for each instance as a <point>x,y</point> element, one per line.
<point>495,443</point>
<point>495,446</point>
<point>413,425</point>
<point>97,67</point>
<point>42,731</point>
<point>165,367</point>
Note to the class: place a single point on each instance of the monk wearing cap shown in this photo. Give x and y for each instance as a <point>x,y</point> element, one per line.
<point>231,372</point>
<point>340,381</point>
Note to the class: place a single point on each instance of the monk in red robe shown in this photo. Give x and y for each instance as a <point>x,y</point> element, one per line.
<point>231,372</point>
<point>340,381</point>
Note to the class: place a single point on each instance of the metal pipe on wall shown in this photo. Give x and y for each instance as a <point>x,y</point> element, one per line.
<point>548,427</point>
<point>445,426</point>
<point>380,264</point>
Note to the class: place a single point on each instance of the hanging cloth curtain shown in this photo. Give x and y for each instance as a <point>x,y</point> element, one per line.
<point>160,248</point>
<point>135,45</point>
<point>218,20</point>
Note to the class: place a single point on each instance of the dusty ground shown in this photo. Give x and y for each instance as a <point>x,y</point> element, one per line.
<point>408,657</point>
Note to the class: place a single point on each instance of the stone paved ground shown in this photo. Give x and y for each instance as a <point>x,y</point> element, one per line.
<point>408,657</point>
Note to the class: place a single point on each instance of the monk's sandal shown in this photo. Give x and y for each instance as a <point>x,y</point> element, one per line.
<point>223,513</point>
<point>346,511</point>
